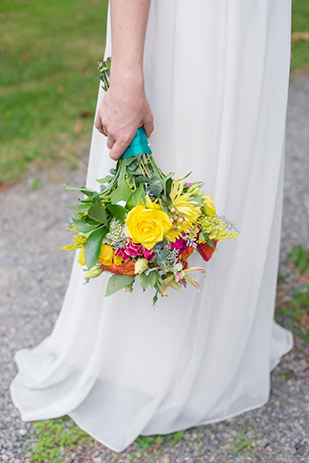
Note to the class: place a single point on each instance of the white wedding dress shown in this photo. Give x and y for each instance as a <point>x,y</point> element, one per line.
<point>216,75</point>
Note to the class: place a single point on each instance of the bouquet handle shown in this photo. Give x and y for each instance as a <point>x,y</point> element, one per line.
<point>138,145</point>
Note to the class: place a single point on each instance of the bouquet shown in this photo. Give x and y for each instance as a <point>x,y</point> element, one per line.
<point>142,224</point>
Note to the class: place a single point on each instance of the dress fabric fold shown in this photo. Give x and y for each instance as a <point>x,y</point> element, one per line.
<point>216,76</point>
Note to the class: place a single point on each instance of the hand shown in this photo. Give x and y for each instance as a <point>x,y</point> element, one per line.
<point>124,109</point>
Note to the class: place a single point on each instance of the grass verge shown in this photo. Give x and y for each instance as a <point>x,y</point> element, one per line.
<point>49,81</point>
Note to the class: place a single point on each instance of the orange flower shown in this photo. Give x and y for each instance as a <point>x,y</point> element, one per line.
<point>127,268</point>
<point>205,250</point>
<point>187,252</point>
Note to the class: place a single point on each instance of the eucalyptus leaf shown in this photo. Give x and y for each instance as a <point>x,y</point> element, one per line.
<point>142,179</point>
<point>155,186</point>
<point>136,171</point>
<point>117,282</point>
<point>159,245</point>
<point>93,246</point>
<point>130,160</point>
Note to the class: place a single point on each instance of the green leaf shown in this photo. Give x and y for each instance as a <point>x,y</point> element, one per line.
<point>144,281</point>
<point>104,179</point>
<point>174,285</point>
<point>168,186</point>
<point>155,298</point>
<point>93,246</point>
<point>79,208</point>
<point>142,179</point>
<point>98,212</point>
<point>117,282</point>
<point>132,160</point>
<point>136,171</point>
<point>210,243</point>
<point>84,227</point>
<point>133,199</point>
<point>155,186</point>
<point>84,190</point>
<point>117,211</point>
<point>153,277</point>
<point>197,199</point>
<point>203,236</point>
<point>121,193</point>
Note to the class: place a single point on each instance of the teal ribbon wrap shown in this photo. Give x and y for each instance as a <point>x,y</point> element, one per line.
<point>138,145</point>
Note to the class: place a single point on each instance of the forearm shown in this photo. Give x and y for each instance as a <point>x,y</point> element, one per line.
<point>125,107</point>
<point>128,29</point>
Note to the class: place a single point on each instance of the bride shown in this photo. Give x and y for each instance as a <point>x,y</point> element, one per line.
<point>209,83</point>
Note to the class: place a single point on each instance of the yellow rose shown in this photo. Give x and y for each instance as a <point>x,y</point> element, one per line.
<point>152,205</point>
<point>141,265</point>
<point>147,226</point>
<point>106,255</point>
<point>81,256</point>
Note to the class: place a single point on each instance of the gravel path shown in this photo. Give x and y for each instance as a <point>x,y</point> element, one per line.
<point>32,286</point>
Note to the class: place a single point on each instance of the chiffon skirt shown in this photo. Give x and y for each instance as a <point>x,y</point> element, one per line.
<point>216,75</point>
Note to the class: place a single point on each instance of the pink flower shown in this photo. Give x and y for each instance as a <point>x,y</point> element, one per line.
<point>148,254</point>
<point>188,185</point>
<point>122,253</point>
<point>178,244</point>
<point>134,250</point>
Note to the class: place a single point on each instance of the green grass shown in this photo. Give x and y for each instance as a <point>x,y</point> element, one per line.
<point>295,310</point>
<point>300,23</point>
<point>48,79</point>
<point>145,443</point>
<point>54,437</point>
<point>241,443</point>
<point>300,257</point>
<point>57,437</point>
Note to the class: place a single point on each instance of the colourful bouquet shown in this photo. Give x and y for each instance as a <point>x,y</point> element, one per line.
<point>143,224</point>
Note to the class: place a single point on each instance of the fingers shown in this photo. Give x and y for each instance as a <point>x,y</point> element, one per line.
<point>119,148</point>
<point>105,130</point>
<point>148,127</point>
<point>98,123</point>
<point>110,141</point>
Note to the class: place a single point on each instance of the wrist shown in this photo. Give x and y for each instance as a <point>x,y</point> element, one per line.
<point>127,75</point>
